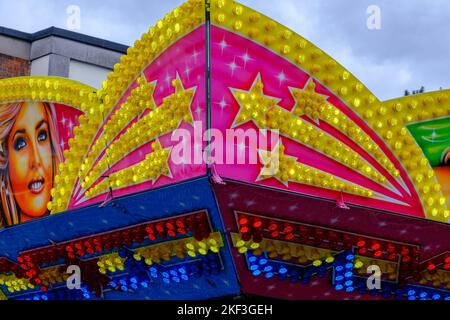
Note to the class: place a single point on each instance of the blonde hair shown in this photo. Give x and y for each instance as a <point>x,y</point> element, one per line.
<point>10,214</point>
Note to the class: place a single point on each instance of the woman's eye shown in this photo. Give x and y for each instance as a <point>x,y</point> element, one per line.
<point>19,144</point>
<point>42,136</point>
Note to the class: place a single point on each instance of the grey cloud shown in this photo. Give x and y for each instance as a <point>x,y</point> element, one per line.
<point>411,49</point>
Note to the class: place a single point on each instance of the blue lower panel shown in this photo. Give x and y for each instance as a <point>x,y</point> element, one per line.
<point>179,199</point>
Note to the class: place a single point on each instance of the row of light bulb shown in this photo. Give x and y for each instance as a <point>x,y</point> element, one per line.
<point>315,106</point>
<point>51,89</point>
<point>154,165</point>
<point>139,100</point>
<point>290,170</point>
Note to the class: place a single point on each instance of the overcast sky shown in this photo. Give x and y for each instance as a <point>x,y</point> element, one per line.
<point>411,49</point>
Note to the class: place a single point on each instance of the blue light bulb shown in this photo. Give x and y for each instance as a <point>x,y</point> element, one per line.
<point>182,270</point>
<point>254,267</point>
<point>268,268</point>
<point>256,273</point>
<point>282,270</point>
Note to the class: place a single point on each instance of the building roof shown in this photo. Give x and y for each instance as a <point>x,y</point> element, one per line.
<point>66,34</point>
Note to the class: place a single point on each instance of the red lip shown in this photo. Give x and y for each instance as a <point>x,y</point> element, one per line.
<point>36,185</point>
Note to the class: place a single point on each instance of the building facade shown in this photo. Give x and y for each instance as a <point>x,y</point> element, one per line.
<point>57,52</point>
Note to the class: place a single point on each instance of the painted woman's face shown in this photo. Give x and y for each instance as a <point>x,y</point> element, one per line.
<point>30,161</point>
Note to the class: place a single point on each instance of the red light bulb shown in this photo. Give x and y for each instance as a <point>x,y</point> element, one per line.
<point>273,226</point>
<point>378,253</point>
<point>243,221</point>
<point>375,246</point>
<point>257,224</point>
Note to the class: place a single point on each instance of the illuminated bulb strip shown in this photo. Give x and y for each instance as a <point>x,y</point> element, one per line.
<point>315,106</point>
<point>164,119</point>
<point>388,269</point>
<point>168,30</point>
<point>68,171</point>
<point>440,278</point>
<point>53,275</point>
<point>249,23</point>
<point>164,252</point>
<point>48,89</point>
<point>284,250</point>
<point>154,165</point>
<point>291,171</point>
<point>179,248</point>
<point>111,263</point>
<point>14,285</point>
<point>263,111</point>
<point>140,99</point>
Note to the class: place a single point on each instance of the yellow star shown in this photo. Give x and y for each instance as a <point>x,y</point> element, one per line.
<point>183,98</point>
<point>276,164</point>
<point>254,104</point>
<point>308,101</point>
<point>165,156</point>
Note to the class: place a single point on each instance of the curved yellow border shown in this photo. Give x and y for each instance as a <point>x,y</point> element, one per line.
<point>387,119</point>
<point>48,89</point>
<point>167,31</point>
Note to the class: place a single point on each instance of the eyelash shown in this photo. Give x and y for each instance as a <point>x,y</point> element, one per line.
<point>43,132</point>
<point>20,143</point>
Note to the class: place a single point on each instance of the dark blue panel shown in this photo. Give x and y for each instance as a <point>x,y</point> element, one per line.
<point>165,202</point>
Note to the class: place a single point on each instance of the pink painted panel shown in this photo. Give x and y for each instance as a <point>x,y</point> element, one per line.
<point>236,63</point>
